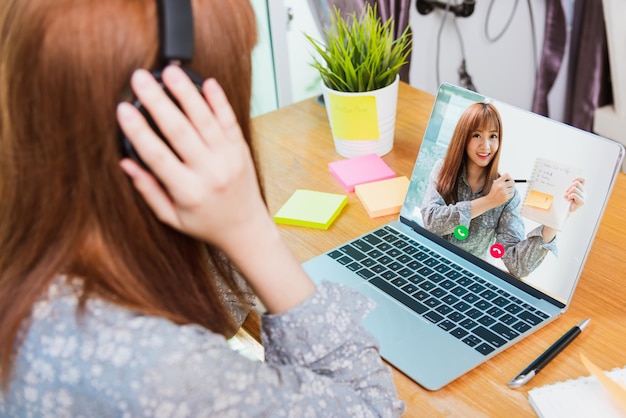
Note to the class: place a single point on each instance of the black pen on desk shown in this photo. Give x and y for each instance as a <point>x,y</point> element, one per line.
<point>533,368</point>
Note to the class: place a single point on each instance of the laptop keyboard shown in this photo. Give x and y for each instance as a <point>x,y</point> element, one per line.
<point>468,307</point>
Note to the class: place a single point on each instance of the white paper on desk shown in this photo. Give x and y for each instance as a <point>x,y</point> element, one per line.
<point>583,397</point>
<point>616,389</point>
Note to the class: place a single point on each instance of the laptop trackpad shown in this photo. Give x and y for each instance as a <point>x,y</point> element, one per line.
<point>402,333</point>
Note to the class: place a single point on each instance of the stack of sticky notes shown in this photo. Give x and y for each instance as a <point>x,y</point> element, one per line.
<point>360,170</point>
<point>373,181</point>
<point>311,208</point>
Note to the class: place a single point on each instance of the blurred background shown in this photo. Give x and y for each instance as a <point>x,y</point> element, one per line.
<point>500,50</point>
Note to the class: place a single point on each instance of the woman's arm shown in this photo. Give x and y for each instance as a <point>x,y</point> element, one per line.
<point>501,191</point>
<point>439,217</point>
<point>576,194</point>
<point>212,193</point>
<point>522,255</point>
<point>111,361</point>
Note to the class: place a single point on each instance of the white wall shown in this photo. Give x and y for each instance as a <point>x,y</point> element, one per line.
<point>281,71</point>
<point>264,91</point>
<point>504,69</point>
<point>610,120</point>
<point>305,80</point>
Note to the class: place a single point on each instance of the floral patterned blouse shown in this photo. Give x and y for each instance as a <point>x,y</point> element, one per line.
<point>112,362</point>
<point>501,224</point>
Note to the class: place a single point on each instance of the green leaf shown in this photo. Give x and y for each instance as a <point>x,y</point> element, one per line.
<point>360,53</point>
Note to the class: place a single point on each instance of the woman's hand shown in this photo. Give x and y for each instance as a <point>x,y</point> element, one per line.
<point>211,192</point>
<point>502,190</point>
<point>576,194</point>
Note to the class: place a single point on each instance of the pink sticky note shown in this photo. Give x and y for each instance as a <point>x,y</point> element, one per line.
<point>360,170</point>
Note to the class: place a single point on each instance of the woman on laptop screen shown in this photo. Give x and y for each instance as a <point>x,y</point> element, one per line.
<point>469,203</point>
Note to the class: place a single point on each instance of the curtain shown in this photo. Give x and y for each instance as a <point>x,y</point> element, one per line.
<point>589,81</point>
<point>554,42</point>
<point>588,78</point>
<point>396,9</point>
<point>322,9</point>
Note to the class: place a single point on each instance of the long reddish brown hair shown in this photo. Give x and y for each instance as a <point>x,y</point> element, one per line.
<point>66,208</point>
<point>477,116</point>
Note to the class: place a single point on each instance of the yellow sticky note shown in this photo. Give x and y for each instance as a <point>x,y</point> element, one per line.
<point>383,197</point>
<point>310,208</point>
<point>354,117</point>
<point>539,200</point>
<point>617,390</point>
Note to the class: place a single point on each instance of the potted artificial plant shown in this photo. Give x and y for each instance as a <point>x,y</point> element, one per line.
<point>359,65</point>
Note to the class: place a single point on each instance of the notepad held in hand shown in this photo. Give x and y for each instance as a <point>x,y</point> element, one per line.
<point>544,201</point>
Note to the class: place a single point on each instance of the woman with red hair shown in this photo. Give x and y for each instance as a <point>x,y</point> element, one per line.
<point>118,286</point>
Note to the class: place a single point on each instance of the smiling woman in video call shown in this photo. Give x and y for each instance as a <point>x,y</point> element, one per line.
<point>118,287</point>
<point>465,189</point>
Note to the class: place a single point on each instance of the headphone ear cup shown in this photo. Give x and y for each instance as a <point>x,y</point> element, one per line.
<point>127,147</point>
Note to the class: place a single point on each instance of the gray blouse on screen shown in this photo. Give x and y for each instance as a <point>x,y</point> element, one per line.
<point>502,224</point>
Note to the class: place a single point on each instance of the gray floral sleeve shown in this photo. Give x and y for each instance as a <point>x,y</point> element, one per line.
<point>111,362</point>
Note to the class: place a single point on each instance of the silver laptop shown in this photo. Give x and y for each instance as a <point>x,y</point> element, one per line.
<point>441,310</point>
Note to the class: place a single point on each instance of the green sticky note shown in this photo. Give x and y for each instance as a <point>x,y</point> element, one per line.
<point>354,118</point>
<point>311,209</point>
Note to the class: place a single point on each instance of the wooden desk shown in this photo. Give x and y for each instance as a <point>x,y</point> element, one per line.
<point>294,145</point>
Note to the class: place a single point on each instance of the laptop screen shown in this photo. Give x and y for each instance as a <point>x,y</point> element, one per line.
<point>538,160</point>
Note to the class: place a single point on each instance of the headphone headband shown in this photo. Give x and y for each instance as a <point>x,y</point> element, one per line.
<point>176,44</point>
<point>175,30</point>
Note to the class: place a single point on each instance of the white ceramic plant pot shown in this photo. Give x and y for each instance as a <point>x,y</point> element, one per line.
<point>362,123</point>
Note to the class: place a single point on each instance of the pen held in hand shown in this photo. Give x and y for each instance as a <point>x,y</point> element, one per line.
<point>533,368</point>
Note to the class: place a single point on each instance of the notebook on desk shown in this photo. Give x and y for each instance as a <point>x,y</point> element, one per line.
<point>442,311</point>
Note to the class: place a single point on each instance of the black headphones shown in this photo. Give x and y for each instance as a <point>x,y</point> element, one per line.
<point>175,47</point>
